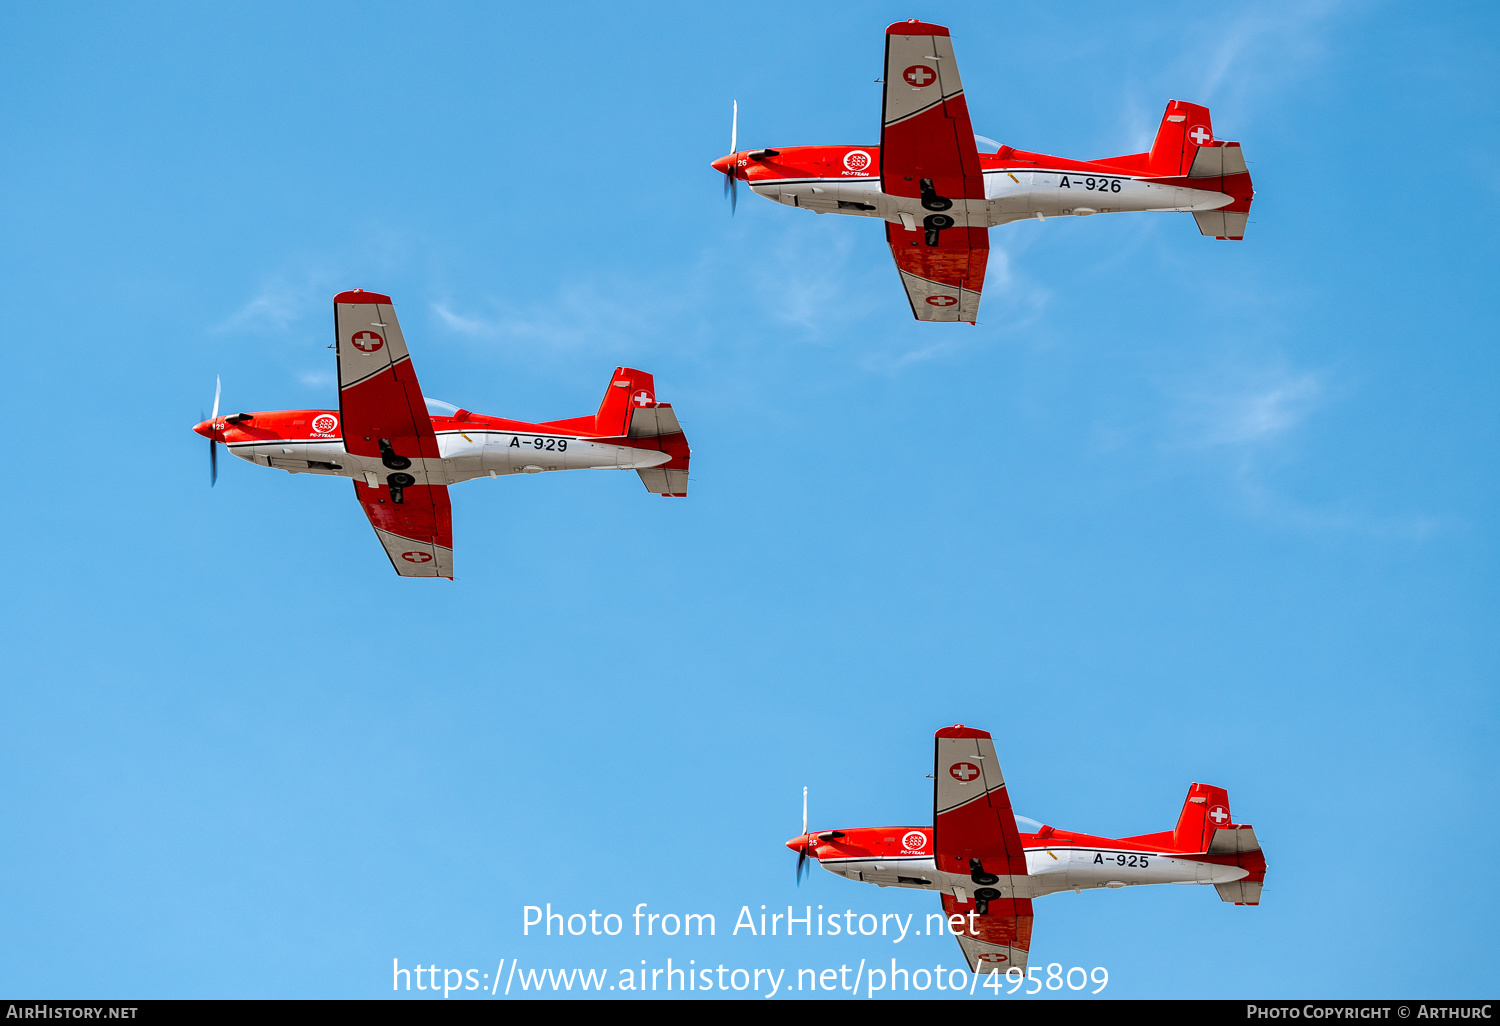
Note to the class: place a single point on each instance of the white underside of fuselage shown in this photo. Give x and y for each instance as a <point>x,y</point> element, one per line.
<point>1050,870</point>
<point>1009,196</point>
<point>466,455</point>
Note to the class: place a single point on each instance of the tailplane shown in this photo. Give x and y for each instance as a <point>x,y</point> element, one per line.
<point>631,413</point>
<point>1205,827</point>
<point>1185,147</point>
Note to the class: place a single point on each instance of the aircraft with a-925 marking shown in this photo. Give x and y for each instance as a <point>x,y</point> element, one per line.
<point>987,872</point>
<point>402,450</point>
<point>939,196</point>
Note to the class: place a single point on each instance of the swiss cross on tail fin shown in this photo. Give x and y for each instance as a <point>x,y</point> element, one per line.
<point>630,412</point>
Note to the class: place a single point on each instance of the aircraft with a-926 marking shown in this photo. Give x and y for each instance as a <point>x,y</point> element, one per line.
<point>987,872</point>
<point>939,196</point>
<point>402,450</point>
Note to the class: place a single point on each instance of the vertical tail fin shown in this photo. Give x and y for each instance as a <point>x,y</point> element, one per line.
<point>628,388</point>
<point>1184,127</point>
<point>1205,810</point>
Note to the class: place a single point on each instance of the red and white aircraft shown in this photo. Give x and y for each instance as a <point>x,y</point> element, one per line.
<point>403,450</point>
<point>938,194</point>
<point>988,871</point>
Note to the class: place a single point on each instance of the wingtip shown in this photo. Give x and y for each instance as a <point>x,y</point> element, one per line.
<point>959,730</point>
<point>915,27</point>
<point>361,296</point>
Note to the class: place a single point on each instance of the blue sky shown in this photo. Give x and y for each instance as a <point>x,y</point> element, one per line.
<point>1176,510</point>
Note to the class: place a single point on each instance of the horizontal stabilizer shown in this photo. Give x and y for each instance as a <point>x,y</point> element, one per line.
<point>665,482</point>
<point>1218,159</point>
<point>1240,892</point>
<point>654,421</point>
<point>1222,224</point>
<point>1233,840</point>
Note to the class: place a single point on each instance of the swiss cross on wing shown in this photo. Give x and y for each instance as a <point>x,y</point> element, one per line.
<point>366,341</point>
<point>919,76</point>
<point>963,771</point>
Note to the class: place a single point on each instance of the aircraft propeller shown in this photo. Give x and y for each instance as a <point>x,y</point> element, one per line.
<point>802,855</point>
<point>213,446</point>
<point>731,181</point>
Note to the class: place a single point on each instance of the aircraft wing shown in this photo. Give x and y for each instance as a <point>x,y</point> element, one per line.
<point>999,939</point>
<point>927,153</point>
<point>926,138</point>
<point>971,814</point>
<point>384,417</point>
<point>417,533</point>
<point>974,834</point>
<point>942,281</point>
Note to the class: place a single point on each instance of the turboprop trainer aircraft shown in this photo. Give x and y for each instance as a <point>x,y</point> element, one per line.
<point>403,450</point>
<point>987,871</point>
<point>938,194</point>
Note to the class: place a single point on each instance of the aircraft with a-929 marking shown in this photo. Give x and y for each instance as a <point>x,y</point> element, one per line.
<point>402,450</point>
<point>939,196</point>
<point>987,872</point>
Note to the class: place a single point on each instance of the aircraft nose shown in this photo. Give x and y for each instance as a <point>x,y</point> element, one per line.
<point>797,843</point>
<point>724,165</point>
<point>206,429</point>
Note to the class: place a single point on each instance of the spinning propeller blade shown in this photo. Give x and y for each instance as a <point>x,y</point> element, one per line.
<point>802,855</point>
<point>731,180</point>
<point>213,446</point>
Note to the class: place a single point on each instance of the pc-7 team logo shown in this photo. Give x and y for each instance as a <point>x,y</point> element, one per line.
<point>914,840</point>
<point>325,424</point>
<point>857,160</point>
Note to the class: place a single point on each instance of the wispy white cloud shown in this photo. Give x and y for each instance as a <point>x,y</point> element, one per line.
<point>1247,410</point>
<point>275,307</point>
<point>1246,420</point>
<point>1251,50</point>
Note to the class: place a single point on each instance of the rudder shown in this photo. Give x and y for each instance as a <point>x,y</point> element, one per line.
<point>1184,127</point>
<point>1204,811</point>
<point>628,388</point>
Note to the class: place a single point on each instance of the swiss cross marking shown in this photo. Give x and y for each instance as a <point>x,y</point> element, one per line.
<point>919,75</point>
<point>964,771</point>
<point>941,300</point>
<point>417,557</point>
<point>1200,135</point>
<point>1219,814</point>
<point>366,341</point>
<point>643,398</point>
